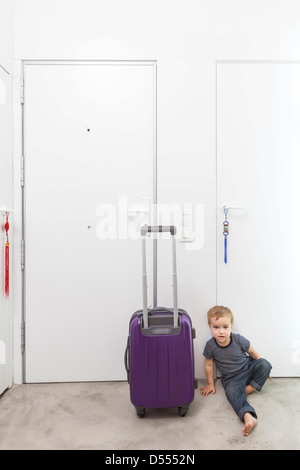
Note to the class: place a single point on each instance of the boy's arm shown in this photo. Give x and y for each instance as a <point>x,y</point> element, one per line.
<point>253,353</point>
<point>209,371</point>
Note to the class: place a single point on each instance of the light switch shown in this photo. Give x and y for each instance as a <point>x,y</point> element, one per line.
<point>187,221</point>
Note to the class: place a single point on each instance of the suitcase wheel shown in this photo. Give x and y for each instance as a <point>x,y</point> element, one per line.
<point>140,411</point>
<point>182,410</point>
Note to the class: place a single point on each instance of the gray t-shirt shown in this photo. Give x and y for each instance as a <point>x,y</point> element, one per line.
<point>229,359</point>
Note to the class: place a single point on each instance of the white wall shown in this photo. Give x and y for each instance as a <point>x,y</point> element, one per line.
<point>6,34</point>
<point>186,37</point>
<point>6,41</point>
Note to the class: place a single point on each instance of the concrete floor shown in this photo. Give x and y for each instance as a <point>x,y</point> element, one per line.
<point>100,416</point>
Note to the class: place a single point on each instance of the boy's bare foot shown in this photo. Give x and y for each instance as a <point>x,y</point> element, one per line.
<point>249,389</point>
<point>250,423</point>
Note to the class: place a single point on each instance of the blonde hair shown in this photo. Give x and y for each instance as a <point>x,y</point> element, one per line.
<point>219,311</point>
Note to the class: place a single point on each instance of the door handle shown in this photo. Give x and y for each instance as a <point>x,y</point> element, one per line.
<point>139,208</point>
<point>136,212</point>
<point>227,207</point>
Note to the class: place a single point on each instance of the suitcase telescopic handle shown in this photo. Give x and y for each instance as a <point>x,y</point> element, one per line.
<point>145,229</point>
<point>158,228</point>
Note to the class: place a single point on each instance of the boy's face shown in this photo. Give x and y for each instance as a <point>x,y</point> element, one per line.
<point>221,330</point>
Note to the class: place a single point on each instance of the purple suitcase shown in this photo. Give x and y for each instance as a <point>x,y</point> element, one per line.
<point>159,357</point>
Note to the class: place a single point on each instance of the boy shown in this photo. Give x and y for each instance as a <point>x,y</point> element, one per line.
<point>242,369</point>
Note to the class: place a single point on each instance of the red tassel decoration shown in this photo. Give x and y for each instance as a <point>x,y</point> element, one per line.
<point>6,226</point>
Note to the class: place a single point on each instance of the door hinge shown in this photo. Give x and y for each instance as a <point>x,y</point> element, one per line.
<point>22,254</point>
<point>22,89</point>
<point>22,176</point>
<point>23,337</point>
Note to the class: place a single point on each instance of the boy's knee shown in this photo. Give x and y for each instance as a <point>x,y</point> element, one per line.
<point>261,372</point>
<point>264,365</point>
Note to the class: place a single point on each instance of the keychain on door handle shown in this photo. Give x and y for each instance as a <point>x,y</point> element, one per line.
<point>6,226</point>
<point>225,233</point>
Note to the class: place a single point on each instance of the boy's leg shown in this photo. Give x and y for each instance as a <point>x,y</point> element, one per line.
<point>236,395</point>
<point>260,371</point>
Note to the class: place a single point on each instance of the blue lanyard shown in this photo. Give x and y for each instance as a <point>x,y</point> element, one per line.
<point>225,233</point>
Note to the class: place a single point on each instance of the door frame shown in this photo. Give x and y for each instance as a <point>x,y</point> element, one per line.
<point>24,64</point>
<point>6,341</point>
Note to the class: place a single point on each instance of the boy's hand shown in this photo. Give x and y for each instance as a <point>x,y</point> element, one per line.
<point>210,388</point>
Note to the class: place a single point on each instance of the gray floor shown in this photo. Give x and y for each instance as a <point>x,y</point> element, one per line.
<point>100,416</point>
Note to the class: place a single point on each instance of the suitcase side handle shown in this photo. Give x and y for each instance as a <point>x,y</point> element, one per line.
<point>126,358</point>
<point>145,229</point>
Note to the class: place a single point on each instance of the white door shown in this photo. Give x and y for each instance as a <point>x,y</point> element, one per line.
<point>5,201</point>
<point>89,158</point>
<point>258,168</point>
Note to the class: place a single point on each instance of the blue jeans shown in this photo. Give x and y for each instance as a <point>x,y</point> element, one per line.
<point>255,373</point>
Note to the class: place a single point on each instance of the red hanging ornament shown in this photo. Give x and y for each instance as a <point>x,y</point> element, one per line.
<point>6,226</point>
